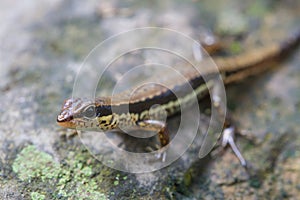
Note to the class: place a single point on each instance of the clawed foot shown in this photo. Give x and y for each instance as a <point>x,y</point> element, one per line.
<point>161,153</point>
<point>228,139</point>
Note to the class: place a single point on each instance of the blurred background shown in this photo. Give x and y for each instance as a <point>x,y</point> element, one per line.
<point>43,45</point>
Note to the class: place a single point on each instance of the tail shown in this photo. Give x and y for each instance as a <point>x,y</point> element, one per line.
<point>290,44</point>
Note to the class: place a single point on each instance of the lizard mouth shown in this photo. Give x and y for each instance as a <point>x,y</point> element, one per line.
<point>65,122</point>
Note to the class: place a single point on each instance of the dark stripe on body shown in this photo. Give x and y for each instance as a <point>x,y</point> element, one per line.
<point>163,98</point>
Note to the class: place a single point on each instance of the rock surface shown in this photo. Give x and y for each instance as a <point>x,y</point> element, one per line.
<point>43,46</point>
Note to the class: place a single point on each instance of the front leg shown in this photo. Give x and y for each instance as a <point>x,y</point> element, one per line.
<point>162,132</point>
<point>157,126</point>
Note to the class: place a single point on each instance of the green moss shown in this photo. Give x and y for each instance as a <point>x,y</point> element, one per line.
<point>79,184</point>
<point>187,179</point>
<point>68,181</point>
<point>31,163</point>
<point>116,183</point>
<point>37,196</point>
<point>235,48</point>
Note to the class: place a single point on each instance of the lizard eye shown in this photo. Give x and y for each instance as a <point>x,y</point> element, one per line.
<point>90,112</point>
